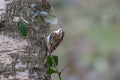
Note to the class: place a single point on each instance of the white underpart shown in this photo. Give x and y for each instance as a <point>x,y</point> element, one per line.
<point>48,40</point>
<point>57,31</point>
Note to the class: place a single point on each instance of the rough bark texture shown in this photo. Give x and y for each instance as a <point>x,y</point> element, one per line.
<point>25,63</point>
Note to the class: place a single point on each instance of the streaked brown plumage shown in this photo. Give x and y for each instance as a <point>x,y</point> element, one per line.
<point>54,39</point>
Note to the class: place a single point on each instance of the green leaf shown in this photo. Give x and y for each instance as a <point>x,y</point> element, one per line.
<point>51,71</point>
<point>49,61</point>
<point>55,60</point>
<point>36,22</point>
<point>52,61</point>
<point>35,13</point>
<point>50,18</point>
<point>44,13</point>
<point>22,28</point>
<point>33,5</point>
<point>26,11</point>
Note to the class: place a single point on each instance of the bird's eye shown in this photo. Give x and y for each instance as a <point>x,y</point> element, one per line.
<point>60,31</point>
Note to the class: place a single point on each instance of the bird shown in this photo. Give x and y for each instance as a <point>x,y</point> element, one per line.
<point>54,39</point>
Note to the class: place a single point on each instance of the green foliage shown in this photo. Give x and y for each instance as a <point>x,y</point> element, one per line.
<point>55,60</point>
<point>34,16</point>
<point>50,18</point>
<point>25,12</point>
<point>22,28</point>
<point>51,71</point>
<point>52,61</point>
<point>49,61</point>
<point>44,13</point>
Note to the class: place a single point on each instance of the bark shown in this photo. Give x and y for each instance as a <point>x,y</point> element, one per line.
<point>24,55</point>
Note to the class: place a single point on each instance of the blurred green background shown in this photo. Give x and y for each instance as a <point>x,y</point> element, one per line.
<point>92,39</point>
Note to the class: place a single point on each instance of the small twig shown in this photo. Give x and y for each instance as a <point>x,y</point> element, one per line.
<point>59,74</point>
<point>64,68</point>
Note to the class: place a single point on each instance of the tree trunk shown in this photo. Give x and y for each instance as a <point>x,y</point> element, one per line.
<point>22,58</point>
